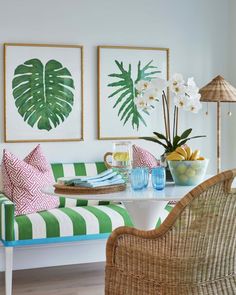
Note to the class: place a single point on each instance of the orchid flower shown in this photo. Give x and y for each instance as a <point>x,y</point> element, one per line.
<point>158,84</point>
<point>193,105</point>
<point>151,96</point>
<point>142,85</point>
<point>186,97</point>
<point>176,81</point>
<point>141,102</point>
<point>192,89</point>
<point>181,102</point>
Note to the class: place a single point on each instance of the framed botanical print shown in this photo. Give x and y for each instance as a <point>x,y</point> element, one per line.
<point>43,99</point>
<point>122,70</point>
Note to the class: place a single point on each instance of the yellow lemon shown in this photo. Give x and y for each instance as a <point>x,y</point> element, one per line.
<point>196,165</point>
<point>183,178</point>
<point>190,172</point>
<point>181,169</point>
<point>121,156</point>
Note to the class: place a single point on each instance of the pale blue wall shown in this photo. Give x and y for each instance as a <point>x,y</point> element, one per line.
<point>196,31</point>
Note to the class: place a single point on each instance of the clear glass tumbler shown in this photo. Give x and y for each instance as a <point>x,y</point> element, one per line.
<point>158,178</point>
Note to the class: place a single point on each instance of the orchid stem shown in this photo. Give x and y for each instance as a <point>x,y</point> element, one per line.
<point>174,123</point>
<point>168,114</point>
<point>164,111</point>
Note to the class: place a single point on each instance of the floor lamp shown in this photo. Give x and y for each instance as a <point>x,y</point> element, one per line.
<point>218,90</point>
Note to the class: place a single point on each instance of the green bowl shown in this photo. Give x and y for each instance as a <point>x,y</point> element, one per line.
<point>188,172</point>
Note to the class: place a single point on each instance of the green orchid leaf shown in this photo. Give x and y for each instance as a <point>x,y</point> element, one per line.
<point>43,93</point>
<point>175,141</point>
<point>187,139</point>
<point>186,133</point>
<point>153,139</point>
<point>159,135</point>
<point>163,137</point>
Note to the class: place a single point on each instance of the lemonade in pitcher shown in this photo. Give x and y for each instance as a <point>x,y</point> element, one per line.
<point>121,158</point>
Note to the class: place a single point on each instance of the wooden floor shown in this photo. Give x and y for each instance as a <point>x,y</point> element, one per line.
<point>64,280</point>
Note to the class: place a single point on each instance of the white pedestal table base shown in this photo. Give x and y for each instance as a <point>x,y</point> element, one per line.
<point>145,213</point>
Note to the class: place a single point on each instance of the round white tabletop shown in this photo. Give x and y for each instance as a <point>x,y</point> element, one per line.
<point>171,192</point>
<point>144,206</point>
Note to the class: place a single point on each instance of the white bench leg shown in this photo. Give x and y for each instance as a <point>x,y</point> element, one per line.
<point>8,270</point>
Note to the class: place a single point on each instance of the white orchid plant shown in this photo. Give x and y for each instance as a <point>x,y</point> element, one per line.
<point>185,96</point>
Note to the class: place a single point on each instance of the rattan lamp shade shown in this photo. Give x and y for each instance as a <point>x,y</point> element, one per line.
<point>218,90</point>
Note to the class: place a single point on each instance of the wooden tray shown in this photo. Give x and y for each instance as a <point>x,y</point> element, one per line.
<point>79,190</point>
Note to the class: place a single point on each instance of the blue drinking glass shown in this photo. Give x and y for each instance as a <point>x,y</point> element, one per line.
<point>158,178</point>
<point>146,177</point>
<point>137,178</point>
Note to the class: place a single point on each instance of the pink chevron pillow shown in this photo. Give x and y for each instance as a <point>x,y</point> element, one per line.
<point>23,181</point>
<point>142,158</point>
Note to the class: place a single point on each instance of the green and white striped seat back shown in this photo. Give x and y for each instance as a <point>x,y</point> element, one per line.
<point>78,169</point>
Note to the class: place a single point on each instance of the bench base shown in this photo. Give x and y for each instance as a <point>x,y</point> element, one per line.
<point>36,256</point>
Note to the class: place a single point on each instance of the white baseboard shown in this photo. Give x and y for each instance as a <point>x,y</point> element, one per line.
<point>28,257</point>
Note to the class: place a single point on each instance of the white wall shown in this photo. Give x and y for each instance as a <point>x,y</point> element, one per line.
<point>196,31</point>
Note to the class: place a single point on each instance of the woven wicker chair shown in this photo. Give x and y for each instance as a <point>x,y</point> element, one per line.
<point>191,253</point>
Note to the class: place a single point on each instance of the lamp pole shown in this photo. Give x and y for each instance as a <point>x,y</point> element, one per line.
<point>218,90</point>
<point>218,137</point>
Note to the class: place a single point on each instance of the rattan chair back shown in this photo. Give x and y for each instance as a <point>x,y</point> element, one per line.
<point>192,253</point>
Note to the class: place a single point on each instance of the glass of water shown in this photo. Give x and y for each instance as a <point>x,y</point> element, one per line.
<point>158,178</point>
<point>138,178</point>
<point>146,176</point>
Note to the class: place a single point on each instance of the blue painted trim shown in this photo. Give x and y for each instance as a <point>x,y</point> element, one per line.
<point>55,240</point>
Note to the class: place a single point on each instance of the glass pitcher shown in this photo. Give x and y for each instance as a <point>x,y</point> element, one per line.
<point>121,158</point>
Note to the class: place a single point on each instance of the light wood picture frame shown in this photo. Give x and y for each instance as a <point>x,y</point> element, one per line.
<point>43,92</point>
<point>117,67</point>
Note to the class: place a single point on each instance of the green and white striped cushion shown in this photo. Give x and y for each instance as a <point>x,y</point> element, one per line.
<point>63,222</point>
<point>78,169</point>
<point>67,222</point>
<point>7,210</point>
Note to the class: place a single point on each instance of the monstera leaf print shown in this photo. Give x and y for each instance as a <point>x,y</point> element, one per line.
<point>43,93</point>
<point>126,91</point>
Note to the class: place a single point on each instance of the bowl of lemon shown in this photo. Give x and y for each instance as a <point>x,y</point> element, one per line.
<point>187,167</point>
